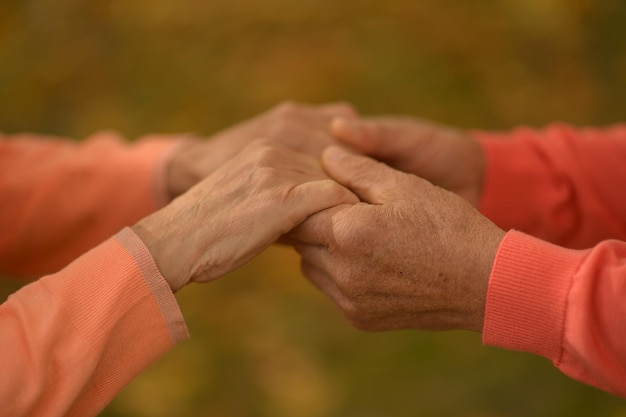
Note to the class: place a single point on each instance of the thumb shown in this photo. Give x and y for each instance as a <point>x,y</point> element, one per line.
<point>377,137</point>
<point>372,181</point>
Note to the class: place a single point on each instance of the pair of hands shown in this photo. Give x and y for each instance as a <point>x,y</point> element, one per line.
<point>390,248</point>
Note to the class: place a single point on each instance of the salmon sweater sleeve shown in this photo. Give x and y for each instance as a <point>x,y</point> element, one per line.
<point>559,191</point>
<point>59,198</point>
<point>74,338</point>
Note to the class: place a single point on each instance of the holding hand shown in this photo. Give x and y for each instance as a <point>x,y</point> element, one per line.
<point>235,213</point>
<point>295,126</point>
<point>444,156</point>
<point>410,255</point>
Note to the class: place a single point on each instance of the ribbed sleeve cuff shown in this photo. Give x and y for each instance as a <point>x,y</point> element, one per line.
<point>527,295</point>
<point>159,176</point>
<point>160,149</point>
<point>158,285</point>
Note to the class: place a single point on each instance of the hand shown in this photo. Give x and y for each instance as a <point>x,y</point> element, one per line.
<point>411,255</point>
<point>444,156</point>
<point>296,126</point>
<point>236,212</point>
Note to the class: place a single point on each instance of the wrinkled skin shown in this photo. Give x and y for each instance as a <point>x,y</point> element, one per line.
<point>236,212</point>
<point>296,126</point>
<point>409,255</point>
<point>447,157</point>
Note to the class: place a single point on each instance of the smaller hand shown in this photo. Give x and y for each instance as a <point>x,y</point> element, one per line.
<point>410,255</point>
<point>296,126</point>
<point>444,156</point>
<point>236,212</point>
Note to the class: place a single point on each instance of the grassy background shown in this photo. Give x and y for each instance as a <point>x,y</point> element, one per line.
<point>265,343</point>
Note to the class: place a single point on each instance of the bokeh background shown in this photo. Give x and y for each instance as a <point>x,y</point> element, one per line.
<point>264,342</point>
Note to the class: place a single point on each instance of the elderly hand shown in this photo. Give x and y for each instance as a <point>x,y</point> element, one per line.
<point>296,126</point>
<point>236,212</point>
<point>444,156</point>
<point>410,255</point>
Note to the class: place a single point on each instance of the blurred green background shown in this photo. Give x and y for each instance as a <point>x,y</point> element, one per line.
<point>264,342</point>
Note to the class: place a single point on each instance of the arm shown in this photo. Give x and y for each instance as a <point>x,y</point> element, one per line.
<point>412,255</point>
<point>563,304</point>
<point>74,339</point>
<point>561,184</point>
<point>61,198</point>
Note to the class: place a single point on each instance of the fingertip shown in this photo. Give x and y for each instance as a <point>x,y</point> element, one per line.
<point>340,194</point>
<point>334,154</point>
<point>338,125</point>
<point>344,129</point>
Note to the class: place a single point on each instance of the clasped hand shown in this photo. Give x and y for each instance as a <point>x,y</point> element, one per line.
<point>391,247</point>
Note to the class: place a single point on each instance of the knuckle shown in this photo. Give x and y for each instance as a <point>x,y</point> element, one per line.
<point>282,127</point>
<point>263,166</point>
<point>286,108</point>
<point>266,154</point>
<point>264,175</point>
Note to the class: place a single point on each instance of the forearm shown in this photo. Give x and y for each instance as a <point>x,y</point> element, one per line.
<point>560,184</point>
<point>61,198</point>
<point>73,340</point>
<point>563,304</point>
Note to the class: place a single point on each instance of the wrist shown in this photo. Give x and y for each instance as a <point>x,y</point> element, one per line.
<point>164,244</point>
<point>488,245</point>
<point>476,168</point>
<point>180,172</point>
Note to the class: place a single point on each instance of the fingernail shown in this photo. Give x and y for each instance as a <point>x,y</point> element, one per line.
<point>335,153</point>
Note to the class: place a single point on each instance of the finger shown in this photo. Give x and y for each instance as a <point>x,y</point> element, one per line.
<point>303,166</point>
<point>339,110</point>
<point>383,138</point>
<point>372,136</point>
<point>307,165</point>
<point>318,228</point>
<point>322,281</point>
<point>316,255</point>
<point>311,141</point>
<point>372,181</point>
<point>311,197</point>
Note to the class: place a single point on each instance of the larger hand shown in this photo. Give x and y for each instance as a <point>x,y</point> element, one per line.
<point>412,255</point>
<point>296,126</point>
<point>238,211</point>
<point>447,157</point>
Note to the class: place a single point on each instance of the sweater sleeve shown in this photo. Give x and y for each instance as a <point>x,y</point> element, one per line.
<point>567,305</point>
<point>61,197</point>
<point>560,184</point>
<point>72,340</point>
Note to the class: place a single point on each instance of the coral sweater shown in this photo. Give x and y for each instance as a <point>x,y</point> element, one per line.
<point>567,187</point>
<point>71,340</point>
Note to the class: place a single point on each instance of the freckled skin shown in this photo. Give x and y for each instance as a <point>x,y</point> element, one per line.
<point>411,255</point>
<point>236,212</point>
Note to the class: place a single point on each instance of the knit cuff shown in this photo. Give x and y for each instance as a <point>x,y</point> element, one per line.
<point>157,284</point>
<point>159,176</point>
<point>527,295</point>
